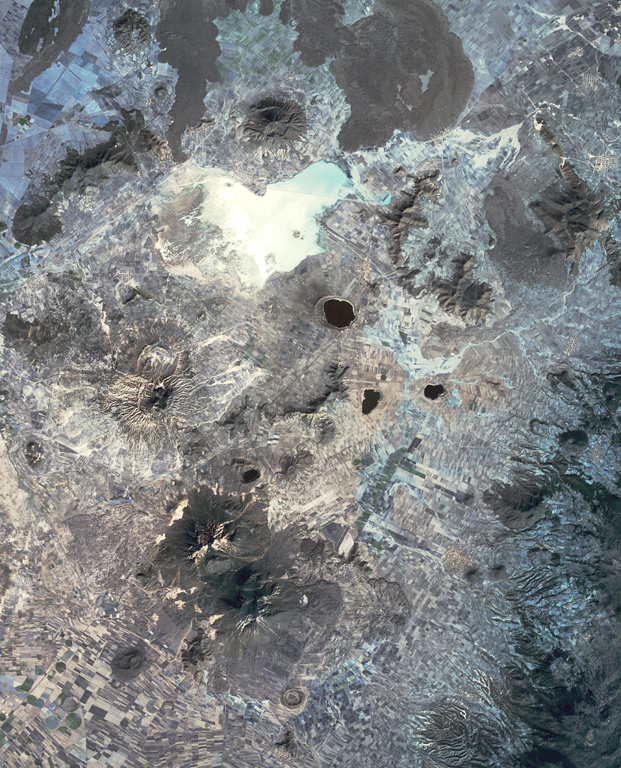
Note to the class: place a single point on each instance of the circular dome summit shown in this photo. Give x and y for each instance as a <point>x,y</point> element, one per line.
<point>128,663</point>
<point>274,120</point>
<point>335,312</point>
<point>157,361</point>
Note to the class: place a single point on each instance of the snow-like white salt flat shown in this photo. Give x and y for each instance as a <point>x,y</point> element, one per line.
<point>279,228</point>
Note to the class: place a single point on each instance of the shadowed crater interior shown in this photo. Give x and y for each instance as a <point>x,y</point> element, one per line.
<point>159,397</point>
<point>33,452</point>
<point>285,741</point>
<point>574,440</point>
<point>251,475</point>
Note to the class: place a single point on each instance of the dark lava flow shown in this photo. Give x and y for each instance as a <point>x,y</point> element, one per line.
<point>433,391</point>
<point>48,29</point>
<point>370,400</point>
<point>380,62</point>
<point>380,71</point>
<point>187,33</point>
<point>339,313</point>
<point>319,28</point>
<point>188,36</point>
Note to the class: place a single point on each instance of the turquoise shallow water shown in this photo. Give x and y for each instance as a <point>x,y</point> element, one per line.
<point>322,179</point>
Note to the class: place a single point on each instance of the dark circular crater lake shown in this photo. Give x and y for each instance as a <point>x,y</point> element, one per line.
<point>251,475</point>
<point>370,400</point>
<point>433,391</point>
<point>339,312</point>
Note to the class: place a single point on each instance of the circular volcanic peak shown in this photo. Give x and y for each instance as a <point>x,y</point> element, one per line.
<point>211,533</point>
<point>247,597</point>
<point>151,391</point>
<point>206,533</point>
<point>274,119</point>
